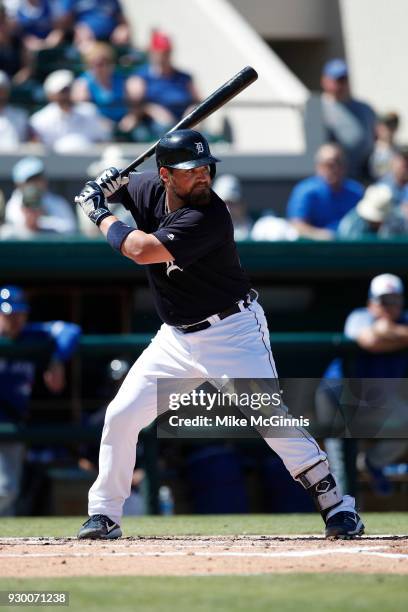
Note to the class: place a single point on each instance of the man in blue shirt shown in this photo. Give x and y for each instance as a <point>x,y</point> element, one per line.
<point>17,375</point>
<point>95,20</point>
<point>317,204</point>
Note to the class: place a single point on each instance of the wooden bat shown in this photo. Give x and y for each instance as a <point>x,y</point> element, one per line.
<point>213,102</point>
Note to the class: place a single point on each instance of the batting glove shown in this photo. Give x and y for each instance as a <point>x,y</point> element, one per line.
<point>110,181</point>
<point>93,202</point>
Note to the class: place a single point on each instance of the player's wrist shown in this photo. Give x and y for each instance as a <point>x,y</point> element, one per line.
<point>99,215</point>
<point>117,234</point>
<point>106,222</point>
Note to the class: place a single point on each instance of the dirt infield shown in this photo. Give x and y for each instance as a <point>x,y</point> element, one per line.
<point>187,556</point>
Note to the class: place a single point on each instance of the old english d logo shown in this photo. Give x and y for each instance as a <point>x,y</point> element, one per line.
<point>199,147</point>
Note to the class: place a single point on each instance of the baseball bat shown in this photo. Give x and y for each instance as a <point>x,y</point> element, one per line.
<point>213,102</point>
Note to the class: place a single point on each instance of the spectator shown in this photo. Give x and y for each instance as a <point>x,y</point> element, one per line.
<point>381,330</point>
<point>374,215</point>
<point>164,92</point>
<point>349,122</point>
<point>58,215</point>
<point>32,210</point>
<point>270,228</point>
<point>95,20</point>
<point>36,26</point>
<point>10,46</point>
<point>317,204</point>
<point>397,178</point>
<point>17,377</point>
<point>35,23</point>
<point>385,147</point>
<point>228,188</point>
<point>102,84</point>
<point>13,121</point>
<point>63,125</point>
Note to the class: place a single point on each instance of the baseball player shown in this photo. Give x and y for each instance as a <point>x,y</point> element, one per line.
<point>17,376</point>
<point>213,325</point>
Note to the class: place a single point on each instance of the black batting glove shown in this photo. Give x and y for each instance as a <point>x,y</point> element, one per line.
<point>110,181</point>
<point>93,202</point>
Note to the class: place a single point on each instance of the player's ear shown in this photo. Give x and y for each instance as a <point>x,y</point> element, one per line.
<point>164,174</point>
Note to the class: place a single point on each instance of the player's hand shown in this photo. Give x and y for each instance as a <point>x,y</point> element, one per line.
<point>93,202</point>
<point>110,181</point>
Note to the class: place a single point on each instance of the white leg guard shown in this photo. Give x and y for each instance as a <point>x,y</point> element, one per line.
<point>320,483</point>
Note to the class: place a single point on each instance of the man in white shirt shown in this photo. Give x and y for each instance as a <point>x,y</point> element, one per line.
<point>13,121</point>
<point>63,125</point>
<point>57,214</point>
<point>32,212</point>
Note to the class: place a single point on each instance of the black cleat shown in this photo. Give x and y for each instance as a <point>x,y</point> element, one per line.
<point>344,526</point>
<point>99,527</point>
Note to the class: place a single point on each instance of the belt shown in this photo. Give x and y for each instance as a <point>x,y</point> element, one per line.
<point>237,307</point>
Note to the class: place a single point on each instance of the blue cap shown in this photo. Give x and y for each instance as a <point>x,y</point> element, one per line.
<point>26,168</point>
<point>335,69</point>
<point>13,299</point>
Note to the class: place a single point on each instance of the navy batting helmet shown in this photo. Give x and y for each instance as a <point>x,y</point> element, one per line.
<point>184,149</point>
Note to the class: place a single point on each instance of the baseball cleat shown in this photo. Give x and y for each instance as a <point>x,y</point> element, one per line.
<point>99,527</point>
<point>344,526</point>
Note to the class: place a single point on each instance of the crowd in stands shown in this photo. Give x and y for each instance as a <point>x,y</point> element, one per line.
<point>71,76</point>
<point>137,95</point>
<point>360,184</point>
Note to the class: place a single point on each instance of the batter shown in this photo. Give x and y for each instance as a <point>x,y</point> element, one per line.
<point>213,325</point>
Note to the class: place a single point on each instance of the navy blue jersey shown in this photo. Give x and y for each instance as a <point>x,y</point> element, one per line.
<point>17,373</point>
<point>206,276</point>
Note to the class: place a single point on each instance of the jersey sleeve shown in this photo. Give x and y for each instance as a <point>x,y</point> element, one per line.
<point>193,234</point>
<point>357,321</point>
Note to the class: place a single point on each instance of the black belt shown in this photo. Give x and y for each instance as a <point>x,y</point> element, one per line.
<point>237,307</point>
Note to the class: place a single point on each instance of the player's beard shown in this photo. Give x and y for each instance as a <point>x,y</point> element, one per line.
<point>197,197</point>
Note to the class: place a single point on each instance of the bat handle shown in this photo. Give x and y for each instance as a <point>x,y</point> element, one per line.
<point>139,160</point>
